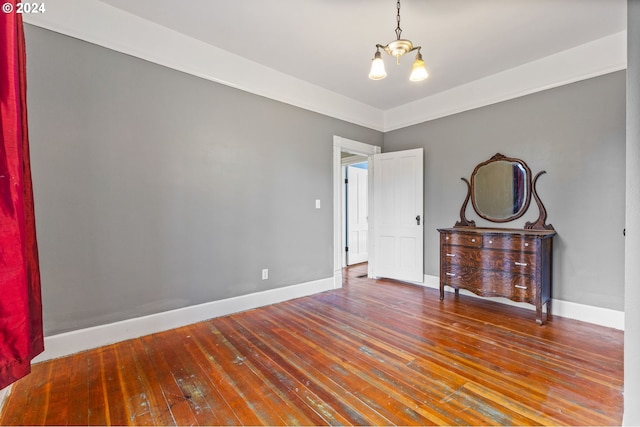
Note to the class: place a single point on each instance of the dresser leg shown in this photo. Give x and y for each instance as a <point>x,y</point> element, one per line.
<point>547,314</point>
<point>441,292</point>
<point>539,314</point>
<point>549,309</point>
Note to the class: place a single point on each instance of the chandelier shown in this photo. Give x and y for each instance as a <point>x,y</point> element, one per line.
<point>398,48</point>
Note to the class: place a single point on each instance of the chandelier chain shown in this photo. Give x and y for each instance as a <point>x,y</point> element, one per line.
<point>398,29</point>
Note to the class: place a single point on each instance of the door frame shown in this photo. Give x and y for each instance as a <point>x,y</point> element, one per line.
<point>339,145</point>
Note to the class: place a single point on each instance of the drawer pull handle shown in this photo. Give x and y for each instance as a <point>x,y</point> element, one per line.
<point>521,263</point>
<point>450,274</point>
<point>473,240</point>
<point>490,241</point>
<point>526,244</point>
<point>452,255</point>
<point>521,287</point>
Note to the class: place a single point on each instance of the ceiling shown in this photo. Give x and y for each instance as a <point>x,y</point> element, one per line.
<point>330,43</point>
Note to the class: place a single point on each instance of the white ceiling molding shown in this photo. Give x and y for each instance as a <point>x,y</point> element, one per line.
<point>110,27</point>
<point>596,58</point>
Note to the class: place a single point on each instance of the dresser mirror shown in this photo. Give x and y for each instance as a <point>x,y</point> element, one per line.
<point>500,190</point>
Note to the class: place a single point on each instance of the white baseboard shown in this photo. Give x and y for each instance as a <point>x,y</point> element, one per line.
<point>571,310</point>
<point>85,339</point>
<point>337,279</point>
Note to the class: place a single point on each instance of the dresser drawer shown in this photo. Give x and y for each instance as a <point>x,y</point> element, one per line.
<point>462,239</point>
<point>462,256</point>
<point>498,260</point>
<point>511,242</point>
<point>516,287</point>
<point>509,262</point>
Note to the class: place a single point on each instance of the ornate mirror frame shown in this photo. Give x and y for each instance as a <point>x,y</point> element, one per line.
<point>530,184</point>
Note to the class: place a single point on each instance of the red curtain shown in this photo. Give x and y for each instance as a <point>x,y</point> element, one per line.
<point>21,335</point>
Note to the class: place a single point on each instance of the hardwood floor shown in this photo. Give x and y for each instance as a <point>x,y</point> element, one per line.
<point>372,353</point>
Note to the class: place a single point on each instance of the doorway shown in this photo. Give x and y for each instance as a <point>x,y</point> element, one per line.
<point>395,245</point>
<point>365,153</point>
<point>356,209</point>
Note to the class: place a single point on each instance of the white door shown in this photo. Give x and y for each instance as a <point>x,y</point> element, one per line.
<point>397,208</point>
<point>357,215</point>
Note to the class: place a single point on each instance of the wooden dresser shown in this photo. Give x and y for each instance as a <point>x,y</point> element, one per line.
<point>499,262</point>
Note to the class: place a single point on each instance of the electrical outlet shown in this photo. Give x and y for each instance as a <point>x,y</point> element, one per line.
<point>265,273</point>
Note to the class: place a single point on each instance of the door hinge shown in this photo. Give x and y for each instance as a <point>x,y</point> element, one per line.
<point>346,248</point>
<point>346,181</point>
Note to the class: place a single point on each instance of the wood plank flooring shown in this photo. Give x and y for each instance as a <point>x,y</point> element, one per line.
<point>376,352</point>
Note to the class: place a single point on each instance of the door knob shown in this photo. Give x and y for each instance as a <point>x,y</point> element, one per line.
<point>418,219</point>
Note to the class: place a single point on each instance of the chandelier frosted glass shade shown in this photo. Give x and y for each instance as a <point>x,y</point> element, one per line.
<point>377,68</point>
<point>418,70</point>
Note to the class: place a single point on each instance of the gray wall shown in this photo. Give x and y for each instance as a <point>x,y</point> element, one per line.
<point>156,190</point>
<point>577,134</point>
<point>632,279</point>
